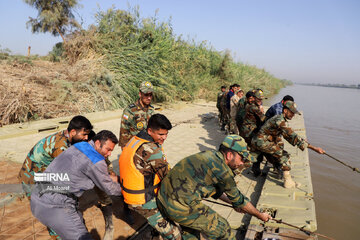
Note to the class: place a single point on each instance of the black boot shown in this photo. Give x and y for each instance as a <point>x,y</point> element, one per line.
<point>256,169</point>
<point>109,226</point>
<point>256,165</point>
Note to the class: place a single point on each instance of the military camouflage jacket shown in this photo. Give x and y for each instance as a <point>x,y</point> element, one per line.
<point>253,120</point>
<point>42,154</point>
<point>276,127</point>
<point>223,100</point>
<point>150,159</point>
<point>219,96</point>
<point>240,114</point>
<point>199,176</point>
<point>133,120</point>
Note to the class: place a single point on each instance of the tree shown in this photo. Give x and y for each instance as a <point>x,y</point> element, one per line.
<point>54,16</point>
<point>225,72</point>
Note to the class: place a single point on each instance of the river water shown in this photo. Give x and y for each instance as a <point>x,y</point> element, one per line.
<point>332,121</point>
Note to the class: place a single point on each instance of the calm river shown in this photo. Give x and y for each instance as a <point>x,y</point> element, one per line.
<point>332,120</point>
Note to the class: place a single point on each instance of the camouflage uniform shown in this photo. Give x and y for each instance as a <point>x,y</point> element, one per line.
<point>240,114</point>
<point>199,176</point>
<point>253,120</point>
<point>40,156</point>
<point>224,110</point>
<point>218,105</point>
<point>234,104</point>
<point>133,120</point>
<point>268,140</point>
<point>149,159</point>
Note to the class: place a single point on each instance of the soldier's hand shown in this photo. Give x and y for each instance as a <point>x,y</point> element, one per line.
<point>114,178</point>
<point>262,108</point>
<point>320,150</point>
<point>265,217</point>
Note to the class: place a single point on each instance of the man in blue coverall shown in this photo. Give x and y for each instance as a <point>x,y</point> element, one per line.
<point>54,200</point>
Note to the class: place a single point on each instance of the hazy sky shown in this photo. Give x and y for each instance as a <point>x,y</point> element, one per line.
<point>299,40</point>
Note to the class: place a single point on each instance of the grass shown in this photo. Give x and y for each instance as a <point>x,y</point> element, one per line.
<point>101,68</point>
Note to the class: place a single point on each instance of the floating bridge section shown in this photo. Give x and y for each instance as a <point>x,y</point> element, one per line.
<point>294,206</point>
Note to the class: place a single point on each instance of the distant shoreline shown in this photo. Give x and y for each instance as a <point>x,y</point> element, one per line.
<point>331,85</point>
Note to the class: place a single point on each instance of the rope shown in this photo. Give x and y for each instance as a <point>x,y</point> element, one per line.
<point>222,204</point>
<point>352,168</point>
<point>301,229</point>
<point>339,161</point>
<point>279,221</point>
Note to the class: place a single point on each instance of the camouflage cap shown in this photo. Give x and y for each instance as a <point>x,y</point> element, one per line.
<point>292,107</point>
<point>238,144</point>
<point>146,87</point>
<point>259,94</point>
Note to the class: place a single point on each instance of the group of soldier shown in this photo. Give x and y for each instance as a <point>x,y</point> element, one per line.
<point>169,198</point>
<point>262,131</point>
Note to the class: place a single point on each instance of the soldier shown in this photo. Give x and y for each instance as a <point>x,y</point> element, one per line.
<point>277,108</point>
<point>142,167</point>
<point>248,99</point>
<point>133,120</point>
<point>44,151</point>
<point>136,115</point>
<point>225,115</point>
<point>202,175</point>
<point>268,141</point>
<point>254,117</point>
<point>234,104</point>
<point>219,96</point>
<point>82,166</point>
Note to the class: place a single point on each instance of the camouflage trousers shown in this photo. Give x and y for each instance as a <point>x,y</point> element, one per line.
<point>197,218</point>
<point>226,117</point>
<point>273,151</point>
<point>150,211</point>
<point>233,126</point>
<point>26,175</point>
<point>220,115</point>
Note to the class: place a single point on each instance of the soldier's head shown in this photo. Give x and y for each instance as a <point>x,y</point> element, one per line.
<point>158,127</point>
<point>223,88</point>
<point>105,142</point>
<point>287,98</point>
<point>91,135</point>
<point>78,129</point>
<point>250,97</point>
<point>240,93</point>
<point>290,109</point>
<point>146,90</point>
<point>234,149</point>
<point>259,96</point>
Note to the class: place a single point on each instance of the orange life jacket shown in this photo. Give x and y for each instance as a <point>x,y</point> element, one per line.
<point>131,179</point>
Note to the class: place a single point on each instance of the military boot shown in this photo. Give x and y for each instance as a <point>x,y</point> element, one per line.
<point>288,181</point>
<point>256,169</point>
<point>108,217</point>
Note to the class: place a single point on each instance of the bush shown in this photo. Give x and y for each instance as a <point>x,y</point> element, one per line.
<point>133,49</point>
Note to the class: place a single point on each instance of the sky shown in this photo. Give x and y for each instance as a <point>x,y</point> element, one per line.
<point>305,41</point>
